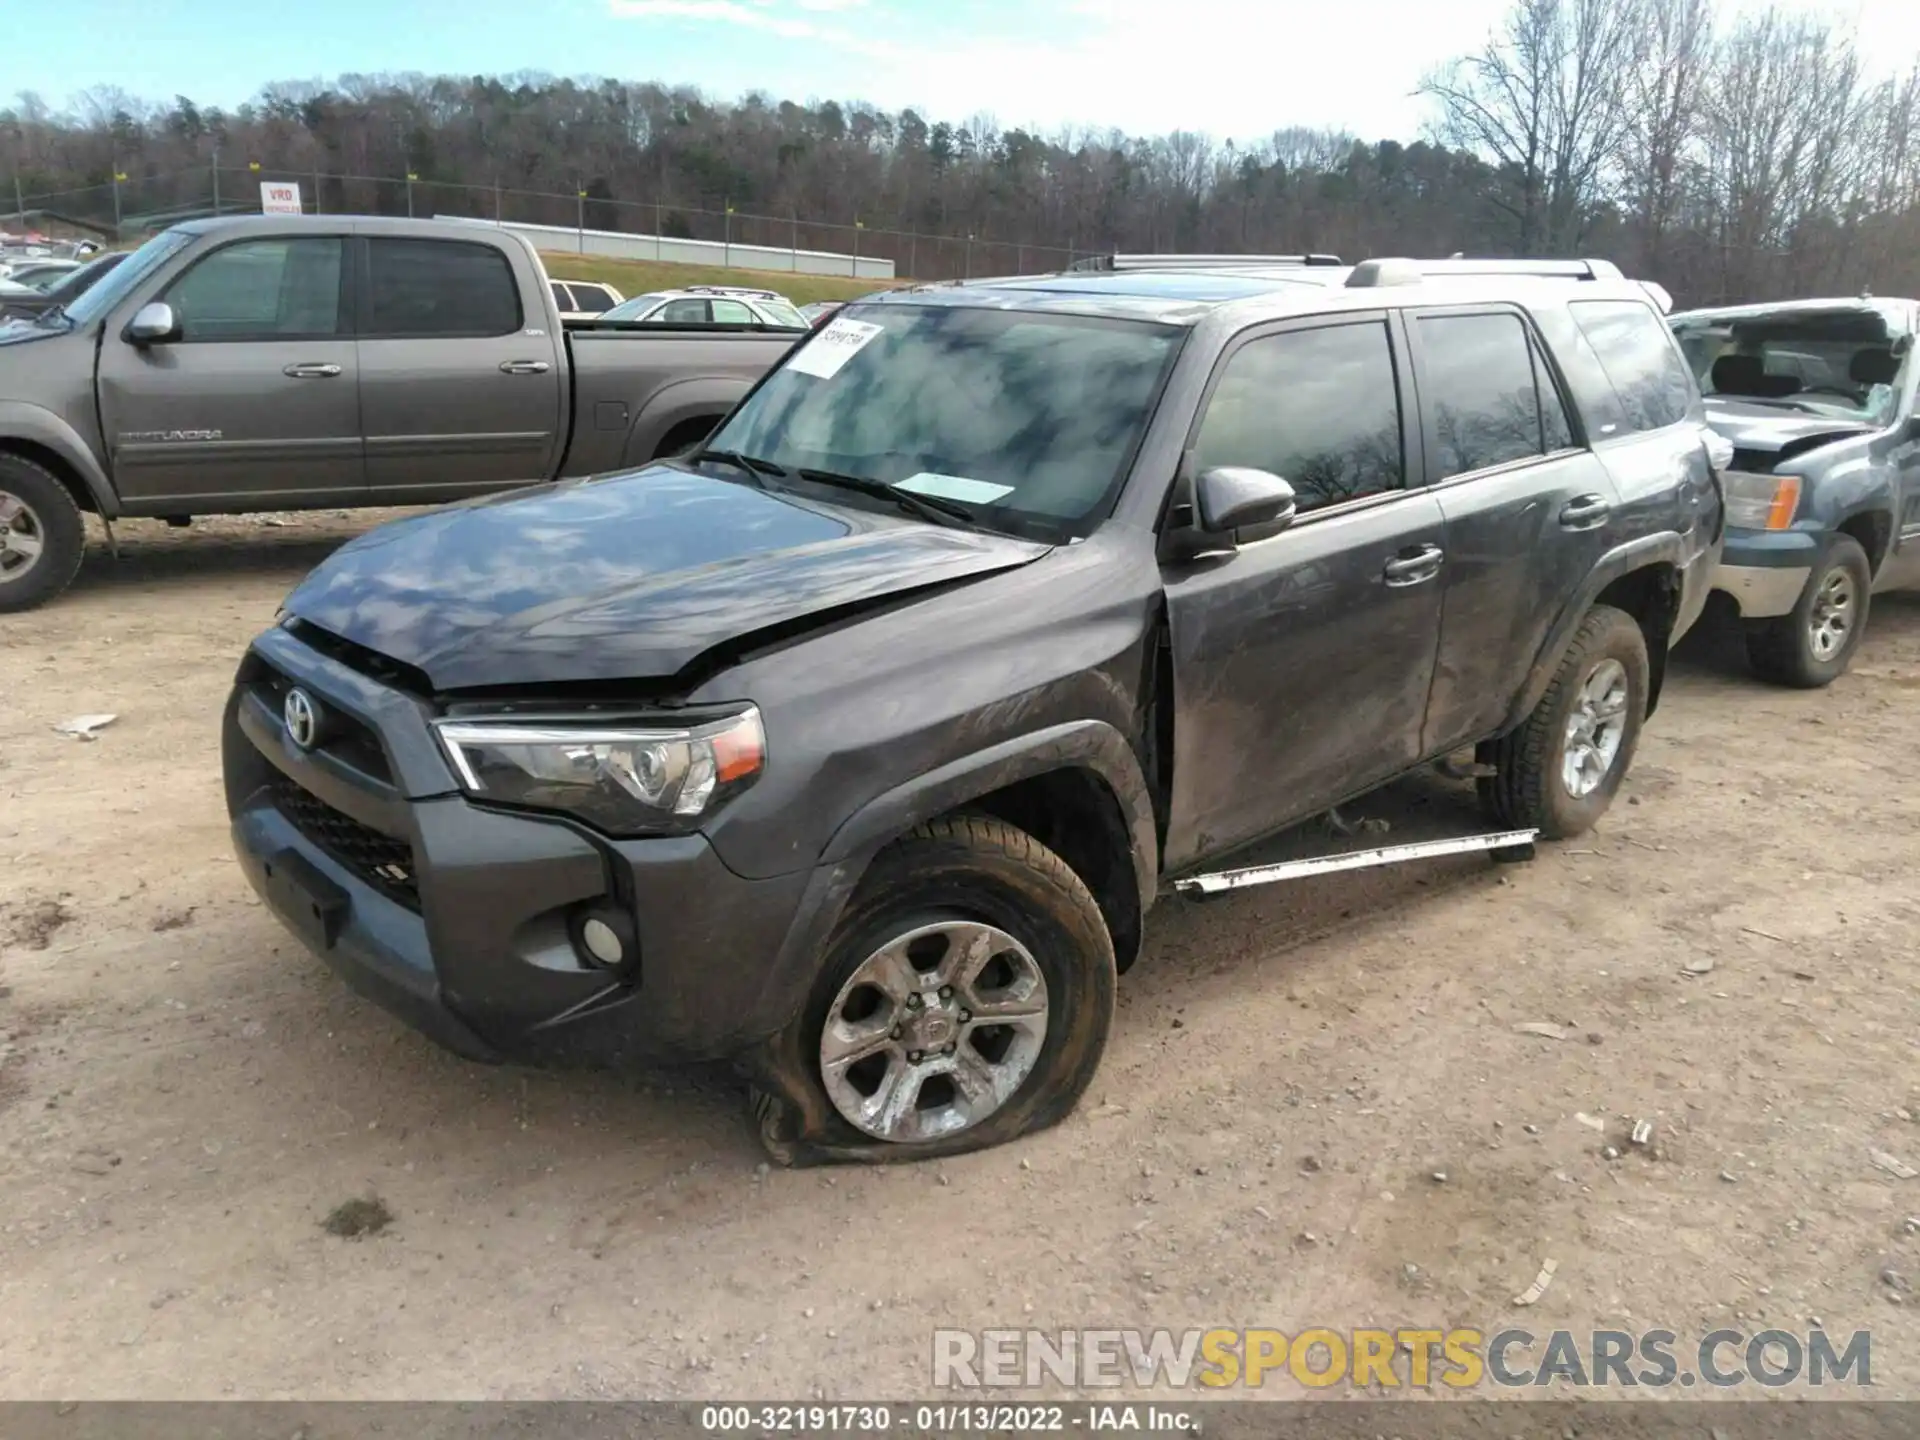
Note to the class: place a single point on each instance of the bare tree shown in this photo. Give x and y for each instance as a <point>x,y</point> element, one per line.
<point>1547,101</point>
<point>1664,93</point>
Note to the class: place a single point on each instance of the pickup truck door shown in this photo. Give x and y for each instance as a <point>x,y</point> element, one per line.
<point>1302,659</point>
<point>1529,511</point>
<point>460,381</point>
<point>257,400</point>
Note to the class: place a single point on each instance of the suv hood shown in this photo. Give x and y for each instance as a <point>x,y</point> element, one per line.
<point>629,577</point>
<point>1767,430</point>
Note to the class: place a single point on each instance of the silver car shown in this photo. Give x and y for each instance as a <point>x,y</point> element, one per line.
<point>711,305</point>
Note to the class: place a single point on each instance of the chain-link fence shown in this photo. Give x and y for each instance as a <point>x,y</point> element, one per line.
<point>134,204</point>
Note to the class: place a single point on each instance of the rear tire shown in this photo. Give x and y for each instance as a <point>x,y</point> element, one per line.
<point>968,900</point>
<point>1559,771</point>
<point>1811,646</point>
<point>42,537</point>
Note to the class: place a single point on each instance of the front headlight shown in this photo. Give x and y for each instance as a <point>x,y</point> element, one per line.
<point>625,779</point>
<point>1761,502</point>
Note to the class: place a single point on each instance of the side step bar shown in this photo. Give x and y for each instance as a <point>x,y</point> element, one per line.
<point>1506,845</point>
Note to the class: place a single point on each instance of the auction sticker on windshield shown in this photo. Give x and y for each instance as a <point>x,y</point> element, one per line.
<point>833,347</point>
<point>954,487</point>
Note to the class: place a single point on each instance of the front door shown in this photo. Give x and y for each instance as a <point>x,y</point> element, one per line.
<point>1303,658</point>
<point>460,392</point>
<point>257,401</point>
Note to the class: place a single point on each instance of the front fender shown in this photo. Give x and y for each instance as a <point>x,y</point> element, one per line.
<point>1665,547</point>
<point>40,426</point>
<point>1086,744</point>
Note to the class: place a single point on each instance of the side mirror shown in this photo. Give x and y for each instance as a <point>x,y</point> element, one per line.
<point>1233,497</point>
<point>153,324</point>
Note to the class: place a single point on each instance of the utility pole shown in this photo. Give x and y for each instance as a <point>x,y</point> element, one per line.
<point>858,226</point>
<point>656,228</point>
<point>118,176</point>
<point>19,200</point>
<point>496,199</point>
<point>913,252</point>
<point>316,186</point>
<point>726,253</point>
<point>969,274</point>
<point>216,180</point>
<point>411,177</point>
<point>580,217</point>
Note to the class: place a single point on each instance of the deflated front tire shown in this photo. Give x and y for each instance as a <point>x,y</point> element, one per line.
<point>964,999</point>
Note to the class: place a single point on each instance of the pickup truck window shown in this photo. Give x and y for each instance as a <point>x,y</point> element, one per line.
<point>1319,408</point>
<point>273,289</point>
<point>1637,352</point>
<point>1040,411</point>
<point>127,274</point>
<point>438,289</point>
<point>1489,408</point>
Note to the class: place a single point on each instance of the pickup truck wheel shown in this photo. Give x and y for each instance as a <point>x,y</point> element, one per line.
<point>42,537</point>
<point>1813,644</point>
<point>965,999</point>
<point>1558,772</point>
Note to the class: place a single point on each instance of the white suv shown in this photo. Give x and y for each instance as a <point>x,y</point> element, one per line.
<point>711,305</point>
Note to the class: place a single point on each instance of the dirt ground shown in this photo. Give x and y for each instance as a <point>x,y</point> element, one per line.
<point>185,1094</point>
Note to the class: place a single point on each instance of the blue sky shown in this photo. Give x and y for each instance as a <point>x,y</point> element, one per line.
<point>1234,68</point>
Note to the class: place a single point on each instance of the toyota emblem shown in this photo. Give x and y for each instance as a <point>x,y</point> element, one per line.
<point>303,718</point>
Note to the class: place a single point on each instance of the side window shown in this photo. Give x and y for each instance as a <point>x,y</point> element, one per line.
<point>562,297</point>
<point>591,299</point>
<point>1636,350</point>
<point>428,289</point>
<point>682,312</point>
<point>279,289</point>
<point>731,312</point>
<point>1477,374</point>
<point>1319,408</point>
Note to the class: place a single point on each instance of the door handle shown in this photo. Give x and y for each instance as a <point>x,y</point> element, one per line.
<point>1584,512</point>
<point>310,370</point>
<point>1423,564</point>
<point>524,367</point>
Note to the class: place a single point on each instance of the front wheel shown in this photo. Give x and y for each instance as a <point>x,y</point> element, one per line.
<point>965,999</point>
<point>42,537</point>
<point>1559,771</point>
<point>1813,644</point>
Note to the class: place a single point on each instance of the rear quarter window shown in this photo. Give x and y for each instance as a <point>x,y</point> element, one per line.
<point>1636,350</point>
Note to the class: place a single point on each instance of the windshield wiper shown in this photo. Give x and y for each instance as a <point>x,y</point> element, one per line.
<point>752,464</point>
<point>930,508</point>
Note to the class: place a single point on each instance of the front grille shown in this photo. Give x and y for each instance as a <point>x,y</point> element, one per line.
<point>382,861</point>
<point>345,737</point>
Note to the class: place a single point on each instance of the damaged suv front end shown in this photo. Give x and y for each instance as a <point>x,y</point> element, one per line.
<point>1816,401</point>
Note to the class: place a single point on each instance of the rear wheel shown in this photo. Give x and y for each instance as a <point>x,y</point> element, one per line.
<point>965,999</point>
<point>42,537</point>
<point>1812,646</point>
<point>1558,772</point>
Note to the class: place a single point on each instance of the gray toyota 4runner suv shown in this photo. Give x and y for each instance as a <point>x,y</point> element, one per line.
<point>857,744</point>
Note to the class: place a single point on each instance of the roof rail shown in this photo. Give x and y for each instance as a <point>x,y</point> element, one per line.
<point>1397,271</point>
<point>1198,262</point>
<point>732,290</point>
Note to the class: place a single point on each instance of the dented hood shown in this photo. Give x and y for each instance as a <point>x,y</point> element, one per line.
<point>1768,429</point>
<point>630,577</point>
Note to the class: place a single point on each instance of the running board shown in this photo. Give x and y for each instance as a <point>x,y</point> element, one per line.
<point>1518,845</point>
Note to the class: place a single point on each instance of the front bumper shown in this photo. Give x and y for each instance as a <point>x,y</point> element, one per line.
<point>461,919</point>
<point>1765,571</point>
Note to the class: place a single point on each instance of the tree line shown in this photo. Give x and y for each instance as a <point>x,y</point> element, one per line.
<point>1730,159</point>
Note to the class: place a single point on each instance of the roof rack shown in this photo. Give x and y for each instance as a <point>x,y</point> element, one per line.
<point>1198,262</point>
<point>746,290</point>
<point>1397,271</point>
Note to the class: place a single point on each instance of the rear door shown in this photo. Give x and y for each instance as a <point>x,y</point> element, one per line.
<point>1302,658</point>
<point>258,399</point>
<point>1527,507</point>
<point>460,391</point>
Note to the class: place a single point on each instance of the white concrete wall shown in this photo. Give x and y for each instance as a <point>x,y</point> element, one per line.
<point>620,245</point>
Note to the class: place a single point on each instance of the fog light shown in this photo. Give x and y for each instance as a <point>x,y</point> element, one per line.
<point>602,943</point>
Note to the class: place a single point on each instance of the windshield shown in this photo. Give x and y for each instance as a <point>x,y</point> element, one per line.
<point>1026,419</point>
<point>103,296</point>
<point>781,313</point>
<point>633,309</point>
<point>1847,364</point>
